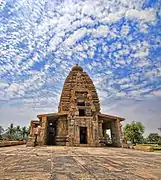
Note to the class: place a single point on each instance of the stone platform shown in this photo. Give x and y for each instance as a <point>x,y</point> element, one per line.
<point>74,163</point>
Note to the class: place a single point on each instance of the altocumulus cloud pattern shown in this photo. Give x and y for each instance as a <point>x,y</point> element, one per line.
<point>117,42</point>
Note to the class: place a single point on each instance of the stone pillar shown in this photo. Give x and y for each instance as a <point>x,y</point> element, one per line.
<point>116,133</point>
<point>90,139</point>
<point>43,131</point>
<point>100,128</point>
<point>113,133</point>
<point>119,133</point>
<point>96,131</point>
<point>101,138</point>
<point>77,137</point>
<point>70,131</point>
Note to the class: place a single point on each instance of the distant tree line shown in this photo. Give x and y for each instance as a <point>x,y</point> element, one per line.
<point>14,133</point>
<point>134,131</point>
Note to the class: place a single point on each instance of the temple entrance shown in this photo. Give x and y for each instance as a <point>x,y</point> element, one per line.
<point>107,133</point>
<point>51,133</point>
<point>83,135</point>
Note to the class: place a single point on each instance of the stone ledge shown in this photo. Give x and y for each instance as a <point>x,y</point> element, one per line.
<point>143,148</point>
<point>11,143</point>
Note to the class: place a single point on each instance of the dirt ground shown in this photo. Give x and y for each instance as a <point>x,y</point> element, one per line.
<point>78,163</point>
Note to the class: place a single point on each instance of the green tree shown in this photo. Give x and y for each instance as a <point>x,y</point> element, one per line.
<point>159,141</point>
<point>145,140</point>
<point>11,132</point>
<point>134,132</point>
<point>1,131</point>
<point>153,138</point>
<point>24,131</point>
<point>18,133</point>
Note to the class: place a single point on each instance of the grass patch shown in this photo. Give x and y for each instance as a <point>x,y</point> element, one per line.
<point>155,147</point>
<point>157,151</point>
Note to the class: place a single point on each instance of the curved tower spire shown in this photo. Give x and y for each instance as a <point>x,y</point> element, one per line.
<point>78,88</point>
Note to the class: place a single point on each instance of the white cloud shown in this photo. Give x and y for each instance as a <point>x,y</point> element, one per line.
<point>101,31</point>
<point>141,53</point>
<point>147,112</point>
<point>113,17</point>
<point>157,93</point>
<point>143,63</point>
<point>153,73</point>
<point>145,15</point>
<point>21,115</point>
<point>143,27</point>
<point>124,30</point>
<point>13,87</point>
<point>39,48</point>
<point>76,36</point>
<point>3,85</point>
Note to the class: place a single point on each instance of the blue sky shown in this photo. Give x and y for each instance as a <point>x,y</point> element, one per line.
<point>117,42</point>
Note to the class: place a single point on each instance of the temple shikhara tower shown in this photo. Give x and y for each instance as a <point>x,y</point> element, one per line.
<point>78,121</point>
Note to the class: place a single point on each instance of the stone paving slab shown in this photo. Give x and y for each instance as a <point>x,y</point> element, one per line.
<point>78,163</point>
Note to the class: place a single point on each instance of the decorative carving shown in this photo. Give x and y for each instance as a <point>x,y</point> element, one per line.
<point>79,107</point>
<point>78,84</point>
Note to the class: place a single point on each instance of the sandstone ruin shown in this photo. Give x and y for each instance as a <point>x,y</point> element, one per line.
<point>78,121</point>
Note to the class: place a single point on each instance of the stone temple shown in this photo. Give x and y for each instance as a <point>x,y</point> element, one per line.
<point>78,121</point>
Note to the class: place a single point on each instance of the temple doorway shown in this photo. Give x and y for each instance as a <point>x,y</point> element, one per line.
<point>83,135</point>
<point>51,133</point>
<point>107,133</point>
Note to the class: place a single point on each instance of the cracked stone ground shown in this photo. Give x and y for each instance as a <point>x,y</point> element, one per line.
<point>72,163</point>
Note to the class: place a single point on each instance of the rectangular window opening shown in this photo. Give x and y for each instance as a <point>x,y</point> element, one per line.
<point>80,103</point>
<point>82,112</point>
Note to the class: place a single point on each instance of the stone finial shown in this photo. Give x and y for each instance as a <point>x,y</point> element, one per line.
<point>77,68</point>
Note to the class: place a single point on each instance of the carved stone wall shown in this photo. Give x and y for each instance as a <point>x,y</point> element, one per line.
<point>80,104</point>
<point>33,128</point>
<point>77,81</point>
<point>62,131</point>
<point>74,125</point>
